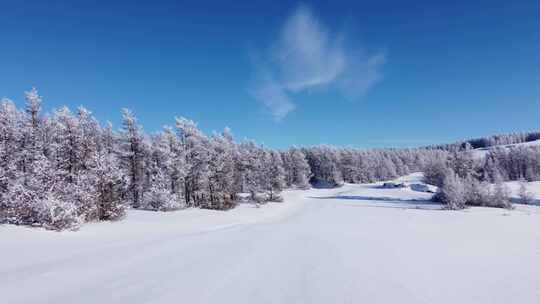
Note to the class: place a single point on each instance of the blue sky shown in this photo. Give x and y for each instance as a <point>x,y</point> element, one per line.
<point>355,73</point>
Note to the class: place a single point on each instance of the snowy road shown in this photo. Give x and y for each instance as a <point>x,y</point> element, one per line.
<point>347,248</point>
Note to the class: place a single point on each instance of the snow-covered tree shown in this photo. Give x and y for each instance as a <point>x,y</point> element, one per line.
<point>159,197</point>
<point>10,138</point>
<point>324,163</point>
<point>452,192</point>
<point>435,172</point>
<point>501,195</point>
<point>274,175</point>
<point>299,168</point>
<point>525,196</point>
<point>62,169</point>
<point>196,151</point>
<point>252,167</point>
<point>462,163</point>
<point>221,172</point>
<point>109,184</point>
<point>132,155</point>
<point>477,192</point>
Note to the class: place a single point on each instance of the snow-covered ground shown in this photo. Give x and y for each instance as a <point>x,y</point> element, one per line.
<point>354,244</point>
<point>532,187</point>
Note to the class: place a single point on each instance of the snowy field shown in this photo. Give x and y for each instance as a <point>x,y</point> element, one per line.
<point>354,244</point>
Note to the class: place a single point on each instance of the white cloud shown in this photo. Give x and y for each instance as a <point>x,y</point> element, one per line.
<point>361,75</point>
<point>273,96</point>
<point>308,55</point>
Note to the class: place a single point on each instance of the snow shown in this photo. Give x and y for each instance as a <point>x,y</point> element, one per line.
<point>393,185</point>
<point>532,187</point>
<point>353,244</point>
<point>482,152</point>
<point>423,188</point>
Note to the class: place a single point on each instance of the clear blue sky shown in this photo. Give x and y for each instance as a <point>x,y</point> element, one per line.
<point>383,73</point>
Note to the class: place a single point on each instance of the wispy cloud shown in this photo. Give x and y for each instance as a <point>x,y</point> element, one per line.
<point>308,55</point>
<point>273,95</point>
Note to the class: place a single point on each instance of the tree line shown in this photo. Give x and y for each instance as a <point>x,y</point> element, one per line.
<point>490,141</point>
<point>62,169</point>
<point>466,180</point>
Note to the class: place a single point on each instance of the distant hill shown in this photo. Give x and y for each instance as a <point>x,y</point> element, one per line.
<point>484,143</point>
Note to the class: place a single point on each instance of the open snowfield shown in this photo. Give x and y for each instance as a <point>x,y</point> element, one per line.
<point>355,244</point>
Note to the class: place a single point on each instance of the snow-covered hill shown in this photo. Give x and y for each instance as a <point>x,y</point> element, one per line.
<point>354,244</point>
<point>482,152</point>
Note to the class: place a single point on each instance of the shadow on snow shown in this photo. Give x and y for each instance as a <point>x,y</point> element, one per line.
<point>417,204</point>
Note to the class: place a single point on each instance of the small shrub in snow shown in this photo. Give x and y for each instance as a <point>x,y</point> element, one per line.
<point>19,205</point>
<point>452,192</point>
<point>259,198</point>
<point>457,192</point>
<point>112,210</point>
<point>220,202</point>
<point>160,200</point>
<point>500,196</point>
<point>276,198</point>
<point>477,193</point>
<point>57,214</point>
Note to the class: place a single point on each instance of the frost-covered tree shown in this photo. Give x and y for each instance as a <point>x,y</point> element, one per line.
<point>435,172</point>
<point>462,163</point>
<point>31,143</point>
<point>501,195</point>
<point>72,164</point>
<point>348,166</point>
<point>68,141</point>
<point>60,170</point>
<point>159,197</point>
<point>252,159</point>
<point>273,178</point>
<point>452,192</point>
<point>195,147</point>
<point>221,172</point>
<point>299,169</point>
<point>492,168</point>
<point>109,184</point>
<point>10,141</point>
<point>132,155</point>
<point>324,163</point>
<point>525,196</point>
<point>477,192</point>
